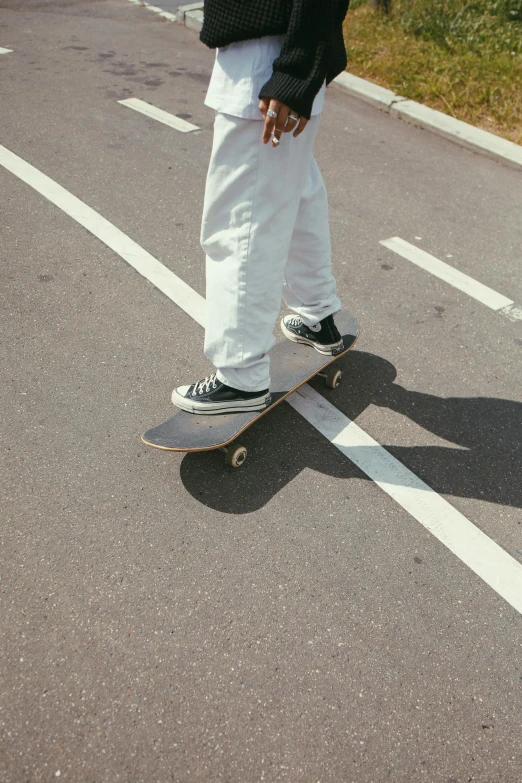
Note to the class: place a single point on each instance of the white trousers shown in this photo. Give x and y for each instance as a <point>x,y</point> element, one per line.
<point>265,233</point>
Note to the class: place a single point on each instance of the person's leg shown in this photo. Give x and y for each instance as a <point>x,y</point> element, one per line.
<point>252,199</point>
<point>310,288</point>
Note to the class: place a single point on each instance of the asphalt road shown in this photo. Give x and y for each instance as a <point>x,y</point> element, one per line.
<point>165,618</point>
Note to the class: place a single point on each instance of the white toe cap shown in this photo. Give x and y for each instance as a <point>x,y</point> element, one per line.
<point>181,391</point>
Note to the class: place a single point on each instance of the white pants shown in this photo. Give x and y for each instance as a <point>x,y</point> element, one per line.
<point>265,233</point>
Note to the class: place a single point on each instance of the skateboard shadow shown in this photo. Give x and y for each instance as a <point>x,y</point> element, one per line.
<point>486,462</point>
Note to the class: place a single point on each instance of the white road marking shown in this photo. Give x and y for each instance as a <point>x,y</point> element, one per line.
<point>447,273</point>
<point>479,552</point>
<point>513,312</point>
<point>144,263</point>
<point>4,51</point>
<point>158,114</point>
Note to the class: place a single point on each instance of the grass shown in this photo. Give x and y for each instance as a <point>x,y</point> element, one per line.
<point>462,57</point>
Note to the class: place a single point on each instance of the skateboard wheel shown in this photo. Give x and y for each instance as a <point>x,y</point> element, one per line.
<point>235,455</point>
<point>333,378</point>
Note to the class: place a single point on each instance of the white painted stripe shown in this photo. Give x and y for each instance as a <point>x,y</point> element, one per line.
<point>158,114</point>
<point>447,273</point>
<point>4,51</point>
<point>158,274</point>
<point>479,552</point>
<point>512,312</point>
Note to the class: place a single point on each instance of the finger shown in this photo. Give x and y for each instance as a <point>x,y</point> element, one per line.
<point>270,122</point>
<point>276,137</point>
<point>303,122</point>
<point>263,106</point>
<point>280,124</point>
<point>292,122</point>
<point>268,129</point>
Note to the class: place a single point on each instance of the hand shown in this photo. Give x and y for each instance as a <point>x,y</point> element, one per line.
<point>287,121</point>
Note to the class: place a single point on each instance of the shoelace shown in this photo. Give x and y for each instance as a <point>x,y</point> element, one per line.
<point>297,321</point>
<point>204,385</point>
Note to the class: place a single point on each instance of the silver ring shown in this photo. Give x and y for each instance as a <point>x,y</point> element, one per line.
<point>273,114</point>
<point>292,119</point>
<point>275,141</point>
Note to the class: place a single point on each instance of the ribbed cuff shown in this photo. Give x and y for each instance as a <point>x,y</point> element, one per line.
<point>295,93</point>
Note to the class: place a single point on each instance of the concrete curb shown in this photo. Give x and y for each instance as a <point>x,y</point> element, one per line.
<point>459,132</point>
<point>164,14</point>
<point>462,133</point>
<point>369,92</point>
<point>191,16</point>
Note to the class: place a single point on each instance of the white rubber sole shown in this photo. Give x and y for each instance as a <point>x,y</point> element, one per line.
<point>325,350</point>
<point>210,408</point>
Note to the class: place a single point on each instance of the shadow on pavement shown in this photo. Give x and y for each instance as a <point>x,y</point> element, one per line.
<point>487,463</point>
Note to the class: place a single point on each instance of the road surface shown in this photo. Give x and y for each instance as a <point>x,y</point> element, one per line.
<point>336,610</point>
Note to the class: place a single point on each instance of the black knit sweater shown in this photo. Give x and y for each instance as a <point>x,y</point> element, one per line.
<point>313,48</point>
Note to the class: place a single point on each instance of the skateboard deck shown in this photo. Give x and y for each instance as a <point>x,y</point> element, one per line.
<point>291,365</point>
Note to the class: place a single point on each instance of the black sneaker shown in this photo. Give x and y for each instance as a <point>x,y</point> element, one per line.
<point>324,337</point>
<point>212,396</point>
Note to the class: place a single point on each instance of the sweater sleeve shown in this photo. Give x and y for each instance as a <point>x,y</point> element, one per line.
<point>302,66</point>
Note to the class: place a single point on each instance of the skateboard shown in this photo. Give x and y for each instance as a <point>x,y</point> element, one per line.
<point>291,365</point>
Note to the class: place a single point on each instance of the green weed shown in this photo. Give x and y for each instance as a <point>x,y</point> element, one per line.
<point>479,26</point>
<point>463,57</point>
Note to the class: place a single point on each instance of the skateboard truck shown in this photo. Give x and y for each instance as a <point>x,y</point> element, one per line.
<point>332,377</point>
<point>235,454</point>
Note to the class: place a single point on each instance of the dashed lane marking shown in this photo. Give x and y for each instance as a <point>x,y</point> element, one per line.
<point>4,51</point>
<point>158,114</point>
<point>487,296</point>
<point>479,552</point>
